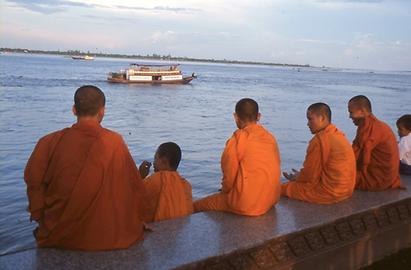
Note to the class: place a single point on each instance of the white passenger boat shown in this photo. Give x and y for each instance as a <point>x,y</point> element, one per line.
<point>153,74</point>
<point>82,57</point>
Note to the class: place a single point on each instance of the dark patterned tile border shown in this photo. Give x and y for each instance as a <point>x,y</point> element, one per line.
<point>282,251</point>
<point>315,240</point>
<point>264,258</point>
<point>298,246</point>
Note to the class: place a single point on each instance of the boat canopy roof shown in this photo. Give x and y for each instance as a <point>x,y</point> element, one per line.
<point>153,65</point>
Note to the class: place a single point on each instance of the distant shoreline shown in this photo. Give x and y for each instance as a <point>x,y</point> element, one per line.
<point>149,57</point>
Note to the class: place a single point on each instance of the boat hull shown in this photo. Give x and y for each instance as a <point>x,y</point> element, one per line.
<point>81,57</point>
<point>184,80</point>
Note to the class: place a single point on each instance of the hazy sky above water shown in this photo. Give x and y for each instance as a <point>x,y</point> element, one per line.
<point>370,34</point>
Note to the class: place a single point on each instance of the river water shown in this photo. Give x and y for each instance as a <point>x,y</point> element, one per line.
<point>36,96</point>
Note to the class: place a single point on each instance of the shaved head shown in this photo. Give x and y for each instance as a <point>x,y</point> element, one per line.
<point>88,100</point>
<point>171,152</point>
<point>320,109</point>
<point>361,102</point>
<point>247,110</point>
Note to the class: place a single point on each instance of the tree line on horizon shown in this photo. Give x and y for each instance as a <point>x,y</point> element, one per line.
<point>149,57</point>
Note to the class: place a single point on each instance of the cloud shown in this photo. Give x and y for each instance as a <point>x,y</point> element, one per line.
<point>41,39</point>
<point>364,41</point>
<point>48,6</point>
<point>157,8</point>
<point>350,1</point>
<point>342,4</point>
<point>55,6</point>
<point>366,51</point>
<point>320,41</point>
<point>162,37</point>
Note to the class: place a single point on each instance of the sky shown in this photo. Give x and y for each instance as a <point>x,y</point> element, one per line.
<point>365,34</point>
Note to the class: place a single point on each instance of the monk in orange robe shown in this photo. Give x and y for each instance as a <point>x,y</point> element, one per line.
<point>83,187</point>
<point>328,174</point>
<point>168,194</point>
<point>375,148</point>
<point>250,165</point>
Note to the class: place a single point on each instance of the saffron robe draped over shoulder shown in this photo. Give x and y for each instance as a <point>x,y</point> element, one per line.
<point>250,165</point>
<point>376,152</point>
<point>169,196</point>
<point>84,190</point>
<point>328,173</point>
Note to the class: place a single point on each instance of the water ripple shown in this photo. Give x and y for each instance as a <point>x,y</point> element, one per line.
<point>36,96</point>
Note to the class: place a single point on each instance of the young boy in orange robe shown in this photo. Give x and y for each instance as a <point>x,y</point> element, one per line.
<point>250,165</point>
<point>169,194</point>
<point>375,148</point>
<point>328,174</point>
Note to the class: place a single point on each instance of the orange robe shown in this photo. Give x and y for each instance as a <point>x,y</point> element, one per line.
<point>250,165</point>
<point>84,190</point>
<point>376,152</point>
<point>328,174</point>
<point>169,196</point>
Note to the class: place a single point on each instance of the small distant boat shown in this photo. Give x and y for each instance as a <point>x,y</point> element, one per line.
<point>153,74</point>
<point>82,57</point>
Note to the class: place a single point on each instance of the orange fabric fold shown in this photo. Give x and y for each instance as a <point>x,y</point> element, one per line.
<point>85,190</point>
<point>328,173</point>
<point>168,196</point>
<point>250,165</point>
<point>376,152</point>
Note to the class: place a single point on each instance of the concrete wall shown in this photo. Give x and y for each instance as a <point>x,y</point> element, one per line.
<point>292,235</point>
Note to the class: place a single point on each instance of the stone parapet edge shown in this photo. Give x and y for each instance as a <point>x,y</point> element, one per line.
<point>295,247</point>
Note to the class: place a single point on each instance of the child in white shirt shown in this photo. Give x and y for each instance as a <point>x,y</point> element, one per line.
<point>404,131</point>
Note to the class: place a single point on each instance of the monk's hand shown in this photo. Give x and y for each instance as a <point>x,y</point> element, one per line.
<point>144,168</point>
<point>292,175</point>
<point>36,215</point>
<point>146,227</point>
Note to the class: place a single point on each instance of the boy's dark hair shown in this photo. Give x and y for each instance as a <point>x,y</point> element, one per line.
<point>172,152</point>
<point>405,121</point>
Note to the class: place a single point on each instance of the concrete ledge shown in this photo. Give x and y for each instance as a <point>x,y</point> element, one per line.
<point>294,234</point>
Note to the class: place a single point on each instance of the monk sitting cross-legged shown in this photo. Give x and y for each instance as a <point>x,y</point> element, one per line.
<point>250,165</point>
<point>83,187</point>
<point>375,148</point>
<point>169,195</point>
<point>328,173</point>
